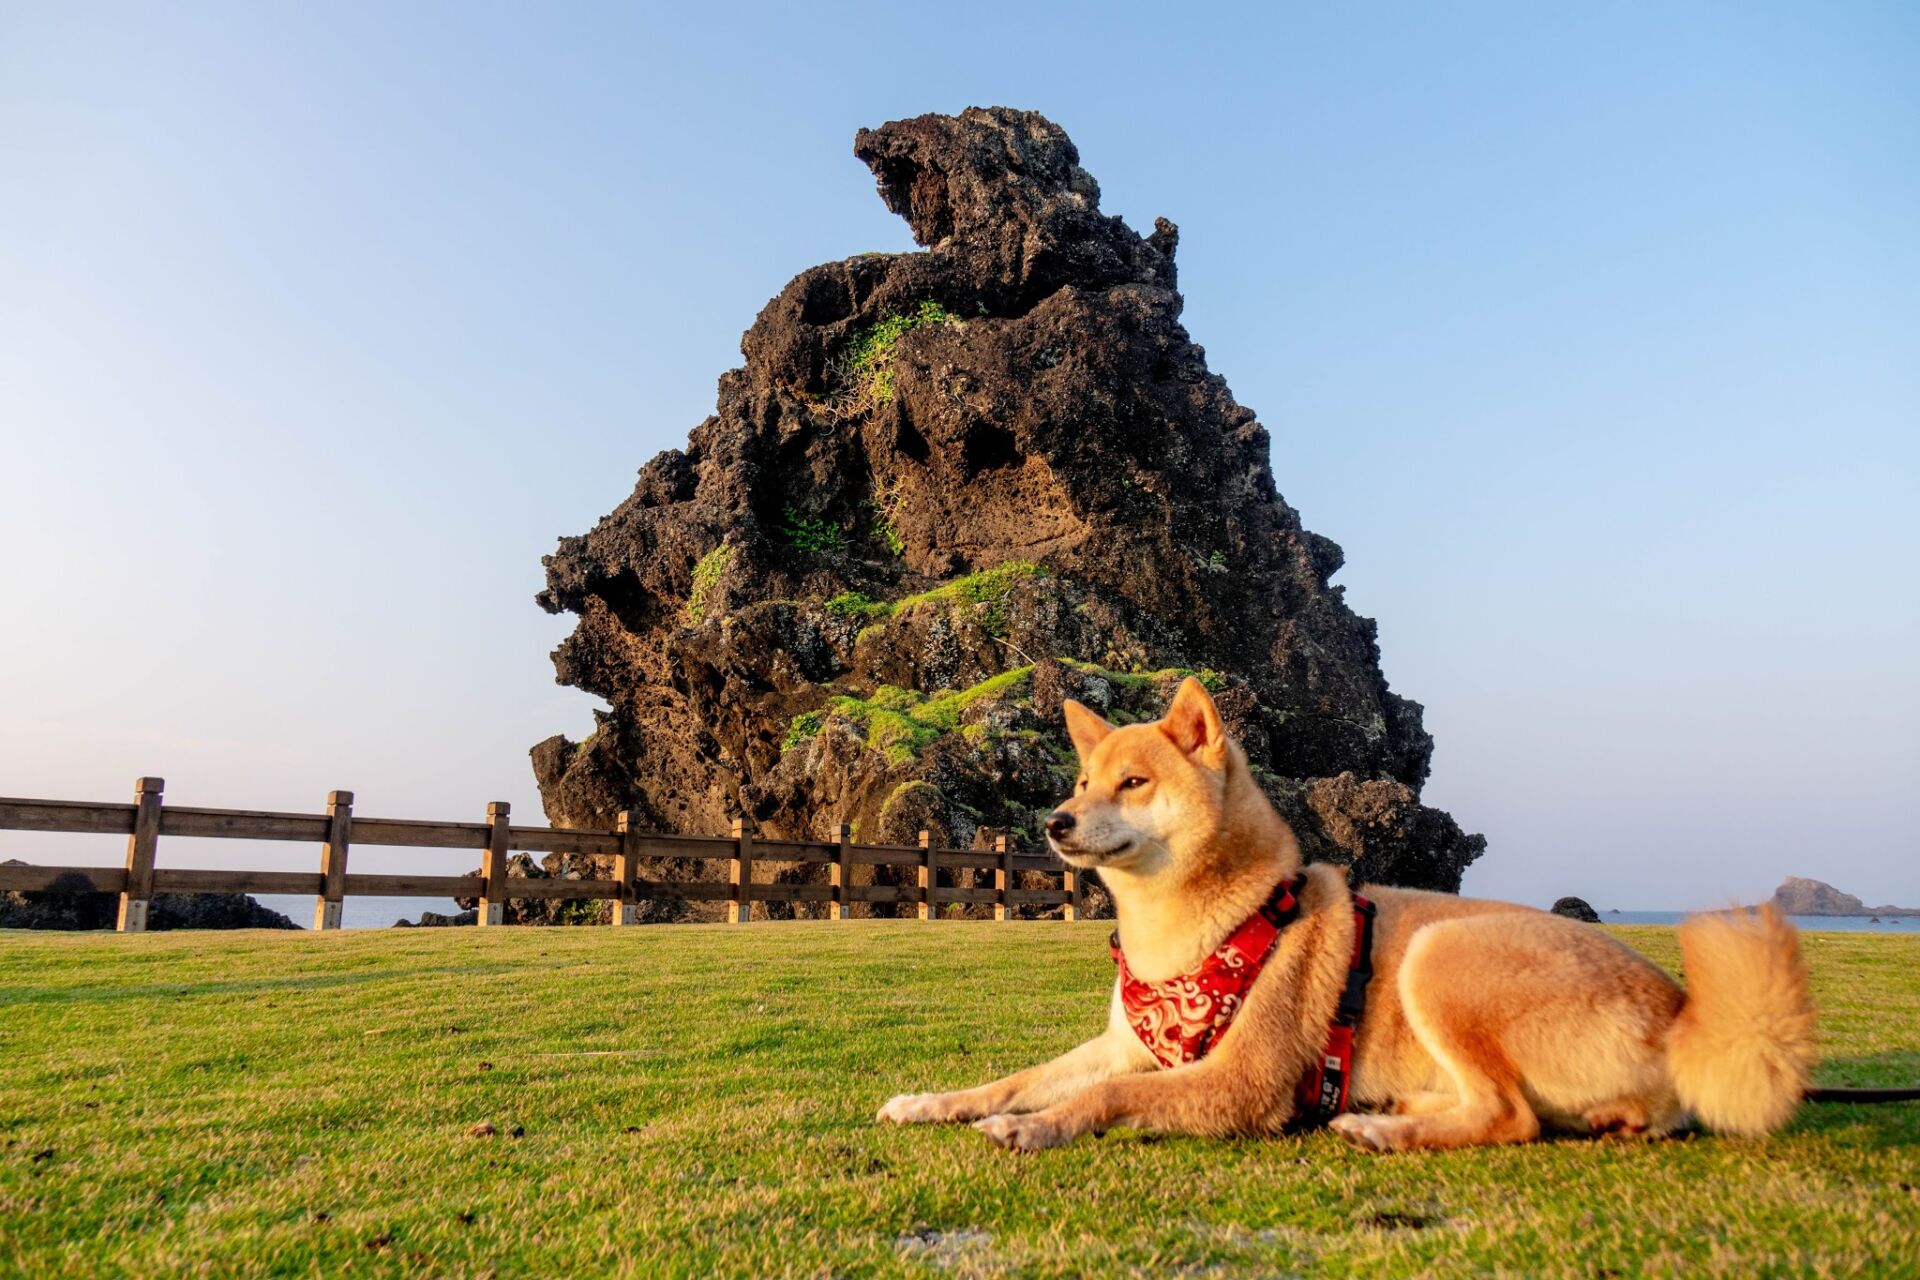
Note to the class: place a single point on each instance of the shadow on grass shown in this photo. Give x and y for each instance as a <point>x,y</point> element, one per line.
<point>1893,1069</point>
<point>1878,1125</point>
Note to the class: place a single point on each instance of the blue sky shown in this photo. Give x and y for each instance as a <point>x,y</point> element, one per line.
<point>1591,332</point>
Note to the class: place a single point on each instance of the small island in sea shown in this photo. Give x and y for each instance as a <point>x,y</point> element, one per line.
<point>1798,896</point>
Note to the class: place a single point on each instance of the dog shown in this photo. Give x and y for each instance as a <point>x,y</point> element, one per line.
<point>1483,1022</point>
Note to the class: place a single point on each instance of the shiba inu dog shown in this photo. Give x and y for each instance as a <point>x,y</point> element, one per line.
<point>1483,1022</point>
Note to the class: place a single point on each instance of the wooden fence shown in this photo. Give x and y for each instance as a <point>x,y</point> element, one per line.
<point>145,820</point>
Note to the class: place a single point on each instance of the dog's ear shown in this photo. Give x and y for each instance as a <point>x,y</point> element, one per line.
<point>1192,724</point>
<point>1085,727</point>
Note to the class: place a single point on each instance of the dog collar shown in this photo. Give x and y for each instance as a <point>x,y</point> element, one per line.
<point>1180,1019</point>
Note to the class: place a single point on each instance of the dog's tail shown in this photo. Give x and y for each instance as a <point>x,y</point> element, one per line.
<point>1743,1045</point>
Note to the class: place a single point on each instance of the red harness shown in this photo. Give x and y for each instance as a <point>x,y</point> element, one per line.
<point>1179,1019</point>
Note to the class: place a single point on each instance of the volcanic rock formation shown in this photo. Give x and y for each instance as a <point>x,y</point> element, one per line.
<point>947,490</point>
<point>80,906</point>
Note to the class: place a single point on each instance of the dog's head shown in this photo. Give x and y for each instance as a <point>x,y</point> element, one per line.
<point>1150,797</point>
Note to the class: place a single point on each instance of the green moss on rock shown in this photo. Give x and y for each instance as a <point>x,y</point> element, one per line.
<point>853,604</point>
<point>805,725</point>
<point>944,712</point>
<point>861,375</point>
<point>1134,681</point>
<point>901,723</point>
<point>812,533</point>
<point>706,576</point>
<point>988,587</point>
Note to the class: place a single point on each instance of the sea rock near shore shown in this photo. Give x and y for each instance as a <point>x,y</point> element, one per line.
<point>946,490</point>
<point>1575,909</point>
<point>1798,896</point>
<point>557,866</point>
<point>83,908</point>
<point>438,920</point>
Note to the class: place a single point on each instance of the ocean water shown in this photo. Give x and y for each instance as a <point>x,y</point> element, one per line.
<point>1837,924</point>
<point>357,913</point>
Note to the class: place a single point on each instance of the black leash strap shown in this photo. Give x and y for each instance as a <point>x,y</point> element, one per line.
<point>1911,1094</point>
<point>1353,1001</point>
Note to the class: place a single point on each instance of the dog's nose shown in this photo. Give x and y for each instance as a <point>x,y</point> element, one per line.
<point>1059,823</point>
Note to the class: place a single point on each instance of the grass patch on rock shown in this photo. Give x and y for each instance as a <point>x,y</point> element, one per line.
<point>860,377</point>
<point>989,587</point>
<point>901,723</point>
<point>815,534</point>
<point>804,726</point>
<point>986,591</point>
<point>854,604</point>
<point>884,507</point>
<point>707,573</point>
<point>1136,681</point>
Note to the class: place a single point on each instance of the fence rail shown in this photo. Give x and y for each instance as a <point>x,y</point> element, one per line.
<point>337,831</point>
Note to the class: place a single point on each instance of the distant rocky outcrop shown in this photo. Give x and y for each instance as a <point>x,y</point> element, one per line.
<point>560,866</point>
<point>947,490</point>
<point>438,920</point>
<point>1575,909</point>
<point>1798,896</point>
<point>84,908</point>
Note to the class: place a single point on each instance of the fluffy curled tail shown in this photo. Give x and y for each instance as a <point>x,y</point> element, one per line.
<point>1743,1045</point>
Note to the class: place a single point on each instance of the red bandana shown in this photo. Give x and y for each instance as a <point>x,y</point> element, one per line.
<point>1179,1019</point>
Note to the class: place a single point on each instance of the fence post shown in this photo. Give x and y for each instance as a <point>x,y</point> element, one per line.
<point>493,864</point>
<point>141,846</point>
<point>1076,895</point>
<point>740,875</point>
<point>929,875</point>
<point>333,860</point>
<point>625,909</point>
<point>842,881</point>
<point>1002,876</point>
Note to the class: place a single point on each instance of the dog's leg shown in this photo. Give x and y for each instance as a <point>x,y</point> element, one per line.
<point>1109,1054</point>
<point>1424,1104</point>
<point>1460,1024</point>
<point>1491,1109</point>
<point>1206,1099</point>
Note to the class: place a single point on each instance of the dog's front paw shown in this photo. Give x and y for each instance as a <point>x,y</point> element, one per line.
<point>922,1108</point>
<point>1370,1133</point>
<point>1024,1133</point>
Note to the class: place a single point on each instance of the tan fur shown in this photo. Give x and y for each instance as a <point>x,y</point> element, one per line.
<point>1743,1045</point>
<point>1485,1021</point>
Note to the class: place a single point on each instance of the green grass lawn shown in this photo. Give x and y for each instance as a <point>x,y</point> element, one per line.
<point>693,1100</point>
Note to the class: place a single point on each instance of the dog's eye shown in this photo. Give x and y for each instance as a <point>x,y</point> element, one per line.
<point>1080,785</point>
<point>1128,784</point>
